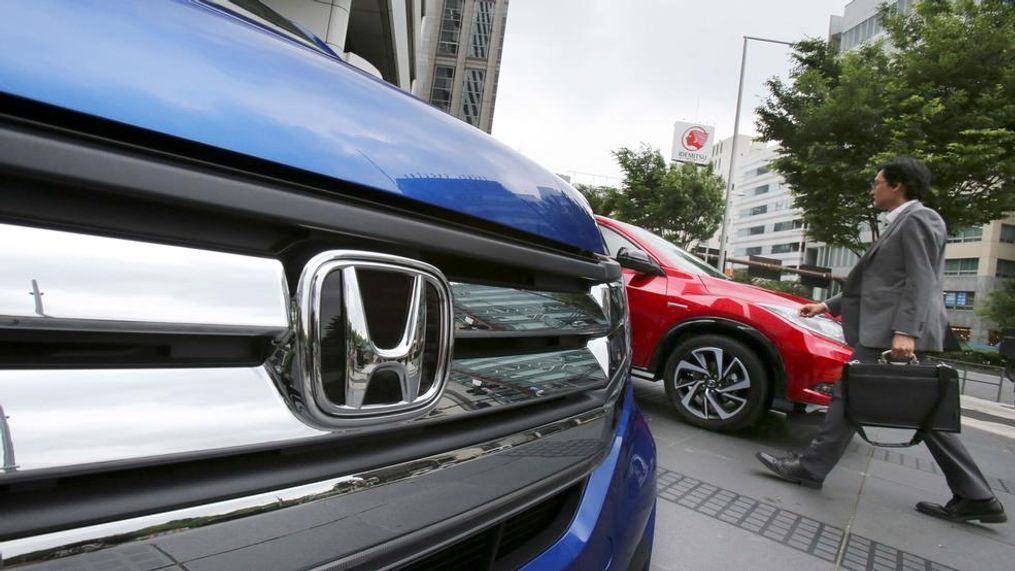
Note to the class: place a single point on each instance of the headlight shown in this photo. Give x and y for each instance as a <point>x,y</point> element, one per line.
<point>818,324</point>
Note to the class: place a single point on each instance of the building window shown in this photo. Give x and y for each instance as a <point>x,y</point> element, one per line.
<point>753,251</point>
<point>761,190</point>
<point>959,299</point>
<point>1008,233</point>
<point>962,267</point>
<point>786,248</point>
<point>451,28</point>
<point>754,210</point>
<point>1005,269</point>
<point>752,231</point>
<point>962,333</point>
<point>443,80</point>
<point>482,29</point>
<point>760,171</point>
<point>974,234</point>
<point>788,225</point>
<point>472,95</point>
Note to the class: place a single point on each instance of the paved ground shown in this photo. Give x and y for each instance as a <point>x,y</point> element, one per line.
<point>719,509</point>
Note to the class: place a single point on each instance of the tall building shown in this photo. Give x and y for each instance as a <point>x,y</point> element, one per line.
<point>446,52</point>
<point>461,65</point>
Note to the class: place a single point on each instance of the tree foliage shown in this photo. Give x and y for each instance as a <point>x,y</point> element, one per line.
<point>602,199</point>
<point>1000,305</point>
<point>943,92</point>
<point>681,202</point>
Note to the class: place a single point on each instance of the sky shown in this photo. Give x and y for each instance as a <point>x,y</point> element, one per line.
<point>580,78</point>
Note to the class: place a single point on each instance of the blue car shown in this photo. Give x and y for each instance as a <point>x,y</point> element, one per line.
<point>259,310</point>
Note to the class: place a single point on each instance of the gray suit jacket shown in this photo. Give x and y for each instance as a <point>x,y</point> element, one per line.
<point>897,285</point>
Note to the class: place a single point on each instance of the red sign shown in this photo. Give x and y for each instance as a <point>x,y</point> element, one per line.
<point>694,138</point>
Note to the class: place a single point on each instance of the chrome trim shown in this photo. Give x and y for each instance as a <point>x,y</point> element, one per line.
<point>363,357</point>
<point>643,373</point>
<point>128,327</point>
<point>65,543</point>
<point>68,281</point>
<point>79,418</point>
<point>497,311</point>
<point>129,415</point>
<point>63,418</point>
<point>485,382</point>
<point>676,305</point>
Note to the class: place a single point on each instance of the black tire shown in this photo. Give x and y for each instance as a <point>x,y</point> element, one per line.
<point>712,400</point>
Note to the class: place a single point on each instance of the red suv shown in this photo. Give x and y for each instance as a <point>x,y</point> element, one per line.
<point>727,351</point>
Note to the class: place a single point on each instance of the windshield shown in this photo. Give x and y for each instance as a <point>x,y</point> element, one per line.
<point>674,255</point>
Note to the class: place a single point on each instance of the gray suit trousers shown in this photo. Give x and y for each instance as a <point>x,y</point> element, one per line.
<point>836,433</point>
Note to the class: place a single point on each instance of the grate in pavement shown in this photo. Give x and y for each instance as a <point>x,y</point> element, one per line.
<point>783,526</point>
<point>862,554</point>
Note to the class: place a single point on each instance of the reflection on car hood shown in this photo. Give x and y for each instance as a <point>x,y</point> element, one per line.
<point>750,293</point>
<point>187,70</point>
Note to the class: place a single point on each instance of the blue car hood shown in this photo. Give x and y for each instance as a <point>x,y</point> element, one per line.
<point>187,70</point>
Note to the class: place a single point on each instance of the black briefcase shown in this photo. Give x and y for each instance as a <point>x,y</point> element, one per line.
<point>901,395</point>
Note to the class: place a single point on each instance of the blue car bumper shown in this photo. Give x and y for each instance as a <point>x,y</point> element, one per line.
<point>613,527</point>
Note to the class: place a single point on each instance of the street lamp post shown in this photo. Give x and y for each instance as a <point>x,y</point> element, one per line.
<point>733,150</point>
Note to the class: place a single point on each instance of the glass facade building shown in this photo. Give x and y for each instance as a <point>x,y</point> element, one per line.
<point>465,64</point>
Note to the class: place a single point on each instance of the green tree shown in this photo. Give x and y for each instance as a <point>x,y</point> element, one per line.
<point>944,93</point>
<point>603,199</point>
<point>1000,305</point>
<point>681,202</point>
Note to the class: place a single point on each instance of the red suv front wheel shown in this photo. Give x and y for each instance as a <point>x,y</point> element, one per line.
<point>716,382</point>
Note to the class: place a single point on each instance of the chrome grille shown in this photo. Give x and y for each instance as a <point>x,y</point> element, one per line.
<point>514,346</point>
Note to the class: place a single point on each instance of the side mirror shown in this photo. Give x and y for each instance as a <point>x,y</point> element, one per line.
<point>638,261</point>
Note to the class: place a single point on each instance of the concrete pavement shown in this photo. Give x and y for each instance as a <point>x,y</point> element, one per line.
<point>719,509</point>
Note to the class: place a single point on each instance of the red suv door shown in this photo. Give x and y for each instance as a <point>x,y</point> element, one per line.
<point>646,295</point>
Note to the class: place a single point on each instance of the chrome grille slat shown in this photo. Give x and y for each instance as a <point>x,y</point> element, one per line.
<point>62,280</point>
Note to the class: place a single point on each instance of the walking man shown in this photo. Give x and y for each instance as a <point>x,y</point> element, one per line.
<point>893,300</point>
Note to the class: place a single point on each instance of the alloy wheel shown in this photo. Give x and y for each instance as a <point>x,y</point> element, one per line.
<point>712,384</point>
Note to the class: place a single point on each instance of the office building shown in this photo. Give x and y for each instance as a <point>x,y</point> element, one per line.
<point>860,23</point>
<point>762,219</point>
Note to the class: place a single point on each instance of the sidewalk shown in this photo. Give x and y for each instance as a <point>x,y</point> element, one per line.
<point>987,415</point>
<point>719,509</point>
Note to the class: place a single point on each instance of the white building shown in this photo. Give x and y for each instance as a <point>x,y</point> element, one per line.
<point>763,221</point>
<point>859,22</point>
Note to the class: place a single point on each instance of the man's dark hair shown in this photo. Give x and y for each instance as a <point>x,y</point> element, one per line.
<point>912,174</point>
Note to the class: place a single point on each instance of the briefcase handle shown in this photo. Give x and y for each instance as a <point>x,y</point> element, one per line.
<point>942,385</point>
<point>886,358</point>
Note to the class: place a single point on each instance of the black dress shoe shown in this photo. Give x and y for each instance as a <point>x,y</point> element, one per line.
<point>789,469</point>
<point>959,509</point>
